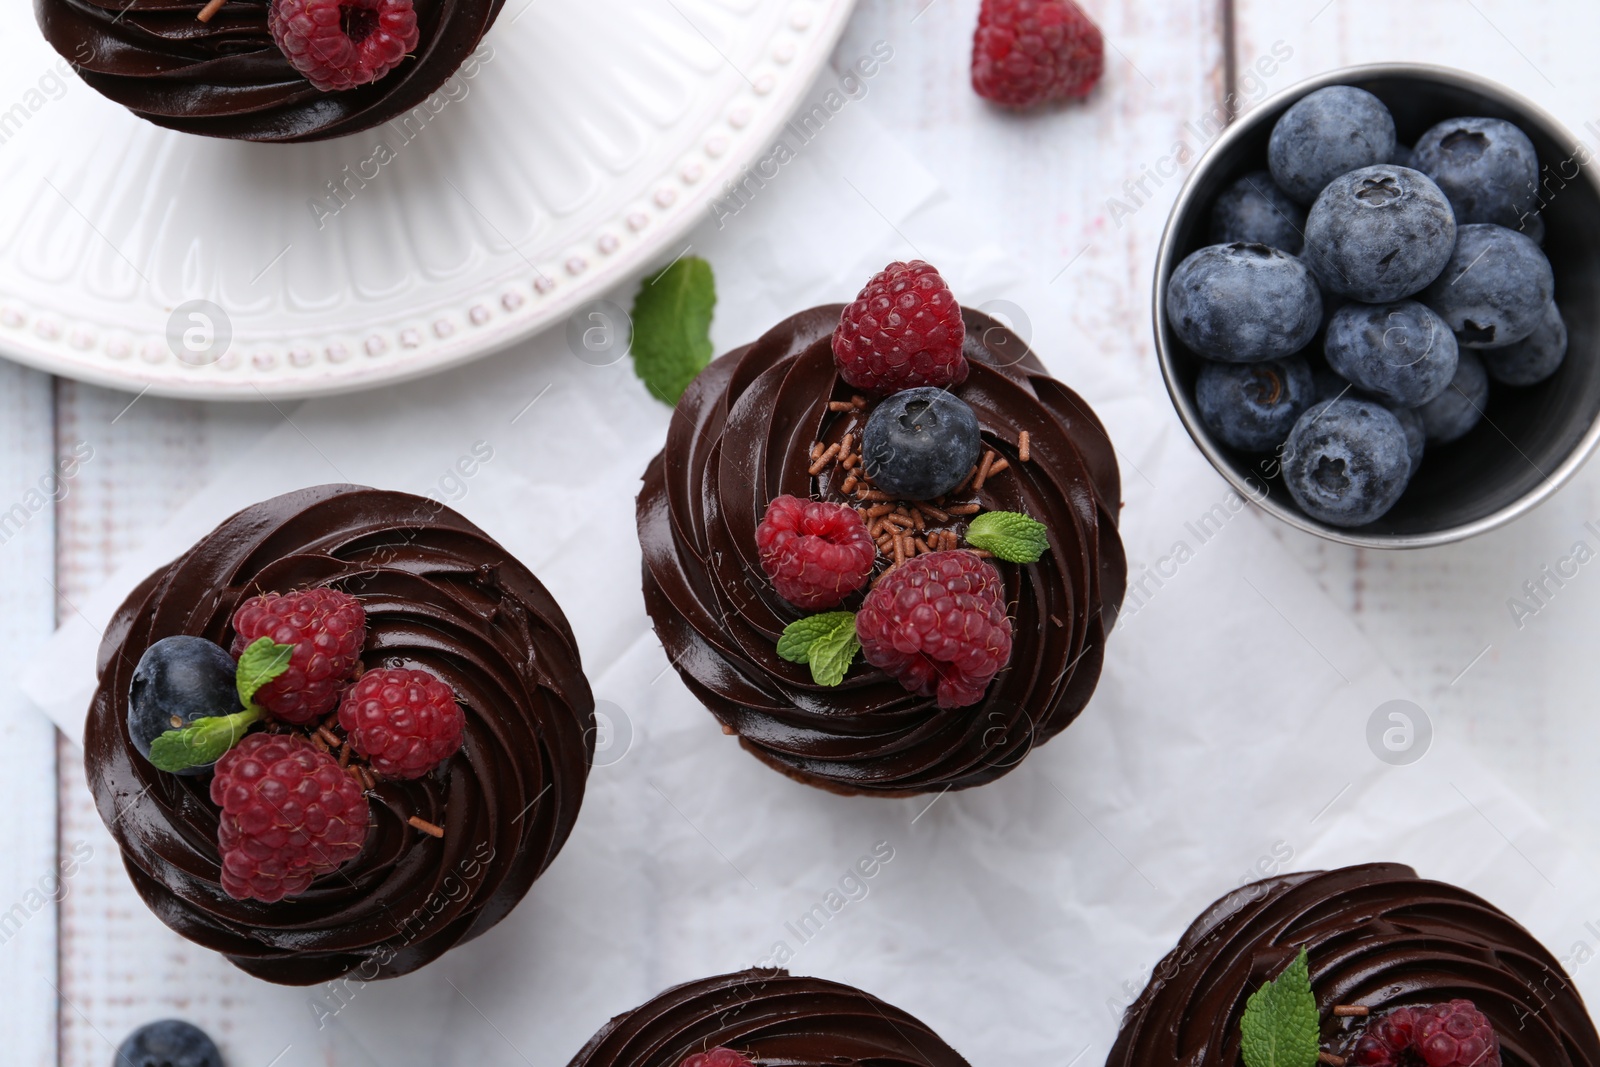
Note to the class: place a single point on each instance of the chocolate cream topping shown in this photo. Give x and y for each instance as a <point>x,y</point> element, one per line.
<point>774,1018</point>
<point>228,78</point>
<point>1376,935</point>
<point>439,595</point>
<point>743,434</point>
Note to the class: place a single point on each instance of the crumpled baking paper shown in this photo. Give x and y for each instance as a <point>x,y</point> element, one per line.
<point>1242,726</point>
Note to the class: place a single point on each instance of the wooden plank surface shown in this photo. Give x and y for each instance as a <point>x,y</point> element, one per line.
<point>29,880</point>
<point>1430,613</point>
<point>1526,702</point>
<point>117,959</point>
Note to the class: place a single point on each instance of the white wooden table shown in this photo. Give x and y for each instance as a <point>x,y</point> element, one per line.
<point>1439,617</point>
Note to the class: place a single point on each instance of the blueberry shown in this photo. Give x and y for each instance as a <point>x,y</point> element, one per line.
<point>1535,357</point>
<point>1243,303</point>
<point>168,1043</point>
<point>920,443</point>
<point>1252,406</point>
<point>1328,133</point>
<point>1401,353</point>
<point>1448,416</point>
<point>1380,234</point>
<point>1346,461</point>
<point>1402,156</point>
<point>1495,289</point>
<point>1253,210</point>
<point>183,678</point>
<point>1416,433</point>
<point>1487,167</point>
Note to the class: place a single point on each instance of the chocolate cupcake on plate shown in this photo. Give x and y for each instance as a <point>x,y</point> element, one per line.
<point>340,735</point>
<point>267,70</point>
<point>881,543</point>
<point>766,1017</point>
<point>1367,966</point>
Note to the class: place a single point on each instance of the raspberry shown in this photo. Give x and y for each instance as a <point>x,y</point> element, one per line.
<point>1456,1034</point>
<point>816,554</point>
<point>404,722</point>
<point>340,44</point>
<point>717,1057</point>
<point>903,331</point>
<point>1027,52</point>
<point>289,814</point>
<point>327,629</point>
<point>938,624</point>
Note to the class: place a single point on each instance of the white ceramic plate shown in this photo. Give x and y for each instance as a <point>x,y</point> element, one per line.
<point>584,140</point>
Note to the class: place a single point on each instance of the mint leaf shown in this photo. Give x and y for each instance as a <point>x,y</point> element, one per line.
<point>828,642</point>
<point>1279,1028</point>
<point>261,663</point>
<point>672,327</point>
<point>203,741</point>
<point>1010,535</point>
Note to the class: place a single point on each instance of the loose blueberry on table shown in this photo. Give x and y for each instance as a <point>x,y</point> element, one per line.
<point>1381,272</point>
<point>168,1043</point>
<point>901,529</point>
<point>290,713</point>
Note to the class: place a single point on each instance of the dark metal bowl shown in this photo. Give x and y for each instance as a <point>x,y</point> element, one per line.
<point>1531,440</point>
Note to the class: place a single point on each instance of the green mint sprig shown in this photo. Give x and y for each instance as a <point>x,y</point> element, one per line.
<point>1279,1027</point>
<point>672,327</point>
<point>828,642</point>
<point>204,741</point>
<point>1009,535</point>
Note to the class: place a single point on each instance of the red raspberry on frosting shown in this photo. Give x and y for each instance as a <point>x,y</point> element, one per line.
<point>938,624</point>
<point>327,629</point>
<point>903,331</point>
<point>404,722</point>
<point>342,44</point>
<point>1029,52</point>
<point>1455,1034</point>
<point>289,814</point>
<point>717,1057</point>
<point>816,554</point>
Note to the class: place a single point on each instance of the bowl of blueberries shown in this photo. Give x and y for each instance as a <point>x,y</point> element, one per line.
<point>1377,306</point>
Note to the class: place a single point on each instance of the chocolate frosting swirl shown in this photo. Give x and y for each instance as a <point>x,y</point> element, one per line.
<point>440,595</point>
<point>228,78</point>
<point>743,434</point>
<point>1376,935</point>
<point>773,1017</point>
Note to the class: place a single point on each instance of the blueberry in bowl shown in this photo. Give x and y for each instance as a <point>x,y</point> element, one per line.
<point>1455,296</point>
<point>1402,353</point>
<point>1380,233</point>
<point>1240,303</point>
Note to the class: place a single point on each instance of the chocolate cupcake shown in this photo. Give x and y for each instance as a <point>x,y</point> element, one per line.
<point>411,817</point>
<point>766,1017</point>
<point>771,503</point>
<point>1402,972</point>
<point>261,70</point>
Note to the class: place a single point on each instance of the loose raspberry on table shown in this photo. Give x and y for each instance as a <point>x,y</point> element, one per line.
<point>938,624</point>
<point>816,554</point>
<point>903,331</point>
<point>1029,52</point>
<point>717,1057</point>
<point>404,722</point>
<point>327,629</point>
<point>341,44</point>
<point>1455,1034</point>
<point>289,814</point>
